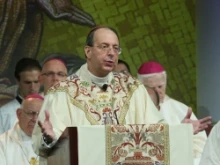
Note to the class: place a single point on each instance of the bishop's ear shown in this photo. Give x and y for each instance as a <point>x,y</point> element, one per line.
<point>87,50</point>
<point>18,113</point>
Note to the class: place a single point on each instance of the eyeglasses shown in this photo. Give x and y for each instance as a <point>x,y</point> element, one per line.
<point>107,48</point>
<point>125,72</point>
<point>31,114</point>
<point>52,74</point>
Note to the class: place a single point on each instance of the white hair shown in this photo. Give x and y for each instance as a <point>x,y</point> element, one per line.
<point>142,76</point>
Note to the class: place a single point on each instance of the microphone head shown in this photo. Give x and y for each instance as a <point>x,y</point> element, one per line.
<point>104,87</point>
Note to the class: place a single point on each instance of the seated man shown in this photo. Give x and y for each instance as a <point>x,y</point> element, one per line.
<point>153,76</point>
<point>211,152</point>
<point>16,144</point>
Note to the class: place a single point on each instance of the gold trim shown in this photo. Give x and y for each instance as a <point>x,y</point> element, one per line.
<point>74,102</point>
<point>33,161</point>
<point>166,145</point>
<point>124,109</point>
<point>108,145</point>
<point>129,88</point>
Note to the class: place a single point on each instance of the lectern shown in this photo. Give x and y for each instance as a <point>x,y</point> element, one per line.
<point>154,144</point>
<point>65,152</point>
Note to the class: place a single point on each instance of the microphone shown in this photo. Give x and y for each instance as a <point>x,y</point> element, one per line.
<point>116,117</point>
<point>104,87</point>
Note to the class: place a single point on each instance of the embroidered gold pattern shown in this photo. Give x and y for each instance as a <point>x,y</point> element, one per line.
<point>167,146</point>
<point>101,107</point>
<point>137,145</point>
<point>34,161</point>
<point>108,145</point>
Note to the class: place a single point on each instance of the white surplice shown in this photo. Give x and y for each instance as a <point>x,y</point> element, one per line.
<point>211,153</point>
<point>16,148</point>
<point>81,101</point>
<point>174,112</point>
<point>8,116</point>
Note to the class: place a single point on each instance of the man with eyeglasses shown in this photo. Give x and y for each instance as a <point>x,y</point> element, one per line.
<point>53,71</point>
<point>16,143</point>
<point>27,72</point>
<point>94,95</point>
<point>122,67</point>
<point>153,76</point>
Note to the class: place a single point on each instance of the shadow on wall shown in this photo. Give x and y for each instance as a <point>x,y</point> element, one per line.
<point>204,111</point>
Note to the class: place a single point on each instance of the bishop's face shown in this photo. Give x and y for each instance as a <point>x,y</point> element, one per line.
<point>102,56</point>
<point>156,82</point>
<point>53,72</point>
<point>27,116</point>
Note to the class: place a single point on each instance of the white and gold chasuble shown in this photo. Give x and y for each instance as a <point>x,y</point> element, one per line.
<point>81,101</point>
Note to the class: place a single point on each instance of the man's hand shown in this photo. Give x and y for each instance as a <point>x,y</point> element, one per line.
<point>198,125</point>
<point>47,128</point>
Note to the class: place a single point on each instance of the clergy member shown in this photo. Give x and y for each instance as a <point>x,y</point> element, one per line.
<point>154,78</point>
<point>54,70</point>
<point>94,95</point>
<point>16,143</point>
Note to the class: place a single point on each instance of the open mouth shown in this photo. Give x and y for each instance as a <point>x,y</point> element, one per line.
<point>109,63</point>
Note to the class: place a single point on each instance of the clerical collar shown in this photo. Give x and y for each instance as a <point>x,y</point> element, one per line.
<point>24,136</point>
<point>19,98</point>
<point>99,80</point>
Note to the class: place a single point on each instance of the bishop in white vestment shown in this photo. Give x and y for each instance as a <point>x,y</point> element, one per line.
<point>153,76</point>
<point>83,101</point>
<point>95,95</point>
<point>16,143</point>
<point>16,148</point>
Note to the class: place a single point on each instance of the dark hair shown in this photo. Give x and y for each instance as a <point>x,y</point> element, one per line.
<point>90,36</point>
<point>125,63</point>
<point>26,64</point>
